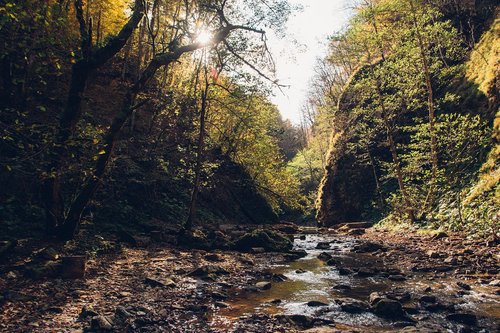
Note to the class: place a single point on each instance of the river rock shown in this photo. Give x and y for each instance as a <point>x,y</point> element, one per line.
<point>325,256</point>
<point>375,297</point>
<point>351,305</point>
<point>388,308</point>
<point>397,277</point>
<point>322,329</point>
<point>356,232</point>
<point>156,282</point>
<point>440,235</point>
<point>323,246</point>
<point>88,312</point>
<point>287,228</point>
<point>268,239</point>
<point>122,313</point>
<point>428,299</point>
<point>341,287</point>
<point>433,254</point>
<point>366,272</point>
<point>316,303</point>
<point>219,296</point>
<point>212,257</point>
<point>221,304</point>
<point>102,323</point>
<point>263,285</point>
<point>207,271</point>
<point>293,255</point>
<point>331,262</point>
<point>451,261</point>
<point>48,253</point>
<point>463,285</point>
<point>278,277</point>
<point>345,271</point>
<point>257,250</point>
<point>197,308</point>
<point>302,321</point>
<point>367,247</point>
<point>359,225</point>
<point>463,318</point>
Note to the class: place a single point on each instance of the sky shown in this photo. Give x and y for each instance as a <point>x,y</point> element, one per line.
<point>295,61</point>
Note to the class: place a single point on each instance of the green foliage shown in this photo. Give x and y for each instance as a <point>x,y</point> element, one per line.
<point>388,45</point>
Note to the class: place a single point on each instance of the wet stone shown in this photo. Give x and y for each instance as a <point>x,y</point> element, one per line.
<point>341,287</point>
<point>295,254</point>
<point>388,308</point>
<point>367,247</point>
<point>221,304</point>
<point>324,256</point>
<point>428,299</point>
<point>323,246</point>
<point>463,318</point>
<point>345,271</point>
<point>351,305</point>
<point>366,272</point>
<point>316,303</point>
<point>332,262</point>
<point>397,278</point>
<point>463,285</point>
<point>263,285</point>
<point>495,283</point>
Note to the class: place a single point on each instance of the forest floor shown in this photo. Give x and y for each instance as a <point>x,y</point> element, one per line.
<point>162,288</point>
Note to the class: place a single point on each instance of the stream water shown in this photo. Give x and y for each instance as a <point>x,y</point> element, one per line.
<point>311,279</point>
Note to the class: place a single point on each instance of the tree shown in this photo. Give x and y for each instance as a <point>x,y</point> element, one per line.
<point>90,60</point>
<point>184,42</point>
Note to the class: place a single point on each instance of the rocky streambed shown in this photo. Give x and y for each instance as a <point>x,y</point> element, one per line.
<point>348,279</point>
<point>348,284</point>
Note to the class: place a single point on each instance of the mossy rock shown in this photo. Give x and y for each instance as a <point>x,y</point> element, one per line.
<point>271,241</point>
<point>195,239</point>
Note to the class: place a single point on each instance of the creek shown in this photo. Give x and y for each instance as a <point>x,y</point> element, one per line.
<point>340,292</point>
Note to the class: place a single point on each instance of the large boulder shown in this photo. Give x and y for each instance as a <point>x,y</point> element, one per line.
<point>270,241</point>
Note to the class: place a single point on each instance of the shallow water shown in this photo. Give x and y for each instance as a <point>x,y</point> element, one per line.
<point>318,280</point>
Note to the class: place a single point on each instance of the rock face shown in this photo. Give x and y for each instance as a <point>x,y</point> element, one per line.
<point>236,197</point>
<point>348,184</point>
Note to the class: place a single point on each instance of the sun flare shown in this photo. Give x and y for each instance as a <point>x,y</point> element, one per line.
<point>204,37</point>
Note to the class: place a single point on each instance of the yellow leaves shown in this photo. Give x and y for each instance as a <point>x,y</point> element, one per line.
<point>101,152</point>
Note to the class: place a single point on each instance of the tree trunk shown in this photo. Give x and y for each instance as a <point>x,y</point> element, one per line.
<point>392,143</point>
<point>199,158</point>
<point>430,103</point>
<point>72,221</point>
<point>51,184</point>
<point>375,176</point>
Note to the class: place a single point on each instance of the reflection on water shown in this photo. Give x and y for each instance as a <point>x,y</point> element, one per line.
<point>309,279</point>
